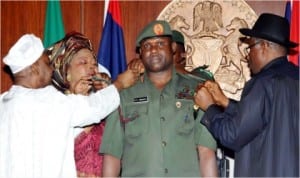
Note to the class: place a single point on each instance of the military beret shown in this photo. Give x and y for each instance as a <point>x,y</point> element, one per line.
<point>177,36</point>
<point>154,28</point>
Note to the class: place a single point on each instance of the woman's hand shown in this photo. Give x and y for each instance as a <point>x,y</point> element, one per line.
<point>100,81</point>
<point>83,86</point>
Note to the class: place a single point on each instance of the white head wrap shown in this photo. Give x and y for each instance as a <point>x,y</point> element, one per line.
<point>103,69</point>
<point>24,53</point>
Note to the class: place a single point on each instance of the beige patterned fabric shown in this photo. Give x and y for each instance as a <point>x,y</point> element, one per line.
<point>61,54</point>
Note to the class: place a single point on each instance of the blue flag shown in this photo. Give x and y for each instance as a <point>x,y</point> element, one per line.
<point>288,11</point>
<point>111,53</point>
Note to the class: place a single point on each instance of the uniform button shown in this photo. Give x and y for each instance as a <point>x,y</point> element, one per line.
<point>178,104</point>
<point>166,170</point>
<point>162,118</point>
<point>164,143</point>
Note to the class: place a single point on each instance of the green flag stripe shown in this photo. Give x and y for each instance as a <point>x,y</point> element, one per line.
<point>54,27</point>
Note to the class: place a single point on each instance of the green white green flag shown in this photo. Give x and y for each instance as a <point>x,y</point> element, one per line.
<point>54,26</point>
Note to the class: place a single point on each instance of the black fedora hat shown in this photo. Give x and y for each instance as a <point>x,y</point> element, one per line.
<point>271,27</point>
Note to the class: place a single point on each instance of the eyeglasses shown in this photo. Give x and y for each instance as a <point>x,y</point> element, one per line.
<point>247,49</point>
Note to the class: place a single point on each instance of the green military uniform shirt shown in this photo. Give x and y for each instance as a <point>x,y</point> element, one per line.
<point>154,132</point>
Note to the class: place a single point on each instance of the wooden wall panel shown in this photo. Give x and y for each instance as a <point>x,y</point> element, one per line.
<point>19,17</point>
<point>276,7</point>
<point>71,15</point>
<point>135,15</point>
<point>93,21</point>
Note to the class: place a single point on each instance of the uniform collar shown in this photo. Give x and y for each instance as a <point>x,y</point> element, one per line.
<point>171,84</point>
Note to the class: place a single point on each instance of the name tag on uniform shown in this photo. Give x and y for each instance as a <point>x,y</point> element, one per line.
<point>140,99</point>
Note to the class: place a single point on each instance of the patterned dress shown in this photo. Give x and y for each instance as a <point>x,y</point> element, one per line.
<point>88,160</point>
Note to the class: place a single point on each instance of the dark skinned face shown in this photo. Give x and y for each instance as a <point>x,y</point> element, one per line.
<point>44,72</point>
<point>157,54</point>
<point>255,57</point>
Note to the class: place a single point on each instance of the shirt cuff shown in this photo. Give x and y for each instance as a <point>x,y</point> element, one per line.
<point>211,111</point>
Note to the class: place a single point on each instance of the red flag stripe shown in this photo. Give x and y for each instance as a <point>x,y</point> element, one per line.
<point>114,10</point>
<point>294,35</point>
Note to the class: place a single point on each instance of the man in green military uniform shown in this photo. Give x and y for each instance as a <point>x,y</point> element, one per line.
<point>180,53</point>
<point>155,133</point>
